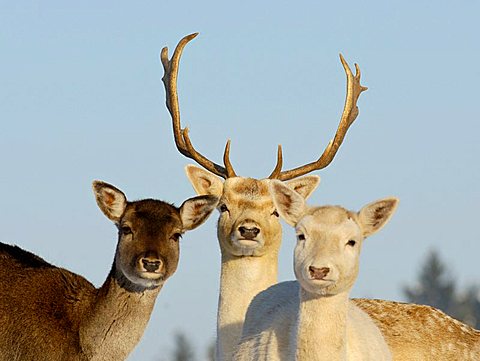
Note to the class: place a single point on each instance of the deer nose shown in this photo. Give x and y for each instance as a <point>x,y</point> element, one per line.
<point>318,273</point>
<point>151,264</point>
<point>248,233</point>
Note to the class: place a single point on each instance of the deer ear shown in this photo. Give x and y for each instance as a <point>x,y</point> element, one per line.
<point>195,211</point>
<point>203,181</point>
<point>304,185</point>
<point>289,204</point>
<point>375,215</point>
<point>110,199</point>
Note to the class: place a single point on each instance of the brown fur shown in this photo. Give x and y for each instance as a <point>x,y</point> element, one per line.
<point>156,221</point>
<point>49,313</point>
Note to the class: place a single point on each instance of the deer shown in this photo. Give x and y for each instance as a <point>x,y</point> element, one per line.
<point>313,317</point>
<point>49,313</point>
<point>250,234</point>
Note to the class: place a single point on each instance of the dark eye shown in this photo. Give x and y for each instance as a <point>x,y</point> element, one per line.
<point>126,230</point>
<point>176,237</point>
<point>301,237</point>
<point>275,213</point>
<point>223,208</point>
<point>351,243</point>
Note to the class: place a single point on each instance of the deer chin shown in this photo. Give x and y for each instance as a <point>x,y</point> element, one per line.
<point>247,247</point>
<point>143,279</point>
<point>247,243</point>
<point>325,286</point>
<point>160,276</point>
<point>318,287</point>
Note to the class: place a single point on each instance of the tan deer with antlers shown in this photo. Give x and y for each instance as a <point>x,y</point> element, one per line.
<point>249,235</point>
<point>49,313</point>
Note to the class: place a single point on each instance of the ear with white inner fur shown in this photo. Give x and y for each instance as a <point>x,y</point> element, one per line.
<point>195,211</point>
<point>289,204</point>
<point>203,181</point>
<point>304,185</point>
<point>110,199</point>
<point>375,215</point>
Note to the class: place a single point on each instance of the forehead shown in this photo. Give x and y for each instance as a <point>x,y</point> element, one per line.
<point>329,219</point>
<point>153,211</point>
<point>247,190</point>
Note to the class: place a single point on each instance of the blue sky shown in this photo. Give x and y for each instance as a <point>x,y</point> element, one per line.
<point>81,99</point>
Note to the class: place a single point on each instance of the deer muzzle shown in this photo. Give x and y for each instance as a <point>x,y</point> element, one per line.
<point>318,273</point>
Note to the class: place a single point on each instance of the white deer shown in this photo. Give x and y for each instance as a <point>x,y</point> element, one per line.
<point>321,321</point>
<point>251,265</point>
<point>48,313</point>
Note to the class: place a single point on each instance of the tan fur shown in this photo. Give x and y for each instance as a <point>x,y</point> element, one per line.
<point>251,266</point>
<point>49,313</point>
<point>417,332</point>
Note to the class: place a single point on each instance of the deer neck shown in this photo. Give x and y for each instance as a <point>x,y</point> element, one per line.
<point>241,279</point>
<point>321,327</point>
<point>116,319</point>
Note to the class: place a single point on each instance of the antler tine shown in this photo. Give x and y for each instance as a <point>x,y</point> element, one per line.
<point>350,113</point>
<point>182,140</point>
<point>278,167</point>
<point>226,161</point>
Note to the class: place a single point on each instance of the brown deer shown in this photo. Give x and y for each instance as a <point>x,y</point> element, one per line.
<point>49,313</point>
<point>249,234</point>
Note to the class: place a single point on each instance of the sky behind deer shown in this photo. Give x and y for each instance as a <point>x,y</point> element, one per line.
<point>82,99</point>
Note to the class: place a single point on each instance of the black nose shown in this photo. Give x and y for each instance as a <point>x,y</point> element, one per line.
<point>151,265</point>
<point>248,233</point>
<point>318,273</point>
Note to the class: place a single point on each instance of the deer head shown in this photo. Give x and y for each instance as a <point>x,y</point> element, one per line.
<point>329,238</point>
<point>148,233</point>
<point>248,223</point>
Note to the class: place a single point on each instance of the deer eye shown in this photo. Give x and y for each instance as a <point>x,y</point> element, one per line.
<point>223,208</point>
<point>275,213</point>
<point>351,243</point>
<point>126,230</point>
<point>301,237</point>
<point>176,237</point>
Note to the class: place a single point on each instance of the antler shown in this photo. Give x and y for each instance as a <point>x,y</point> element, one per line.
<point>350,112</point>
<point>182,140</point>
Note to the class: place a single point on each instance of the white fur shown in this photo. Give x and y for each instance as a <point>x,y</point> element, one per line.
<point>313,319</point>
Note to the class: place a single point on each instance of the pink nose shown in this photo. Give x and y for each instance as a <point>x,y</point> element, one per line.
<point>318,273</point>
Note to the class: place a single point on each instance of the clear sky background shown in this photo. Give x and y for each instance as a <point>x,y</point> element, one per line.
<point>81,99</point>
